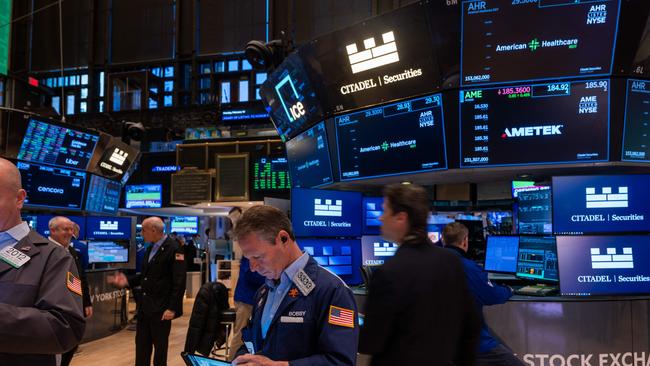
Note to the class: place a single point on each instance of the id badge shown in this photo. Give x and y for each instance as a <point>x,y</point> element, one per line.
<point>14,257</point>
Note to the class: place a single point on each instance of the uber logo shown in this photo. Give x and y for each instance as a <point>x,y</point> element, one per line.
<point>373,56</point>
<point>329,208</point>
<point>293,111</point>
<point>118,157</point>
<point>606,199</point>
<point>108,225</point>
<point>611,260</point>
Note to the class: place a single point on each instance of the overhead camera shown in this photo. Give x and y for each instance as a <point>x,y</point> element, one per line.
<point>132,131</point>
<point>267,56</point>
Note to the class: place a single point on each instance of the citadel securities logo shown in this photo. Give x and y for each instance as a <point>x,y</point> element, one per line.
<point>606,199</point>
<point>373,56</point>
<point>532,131</point>
<point>108,225</point>
<point>611,260</point>
<point>328,208</point>
<point>119,156</point>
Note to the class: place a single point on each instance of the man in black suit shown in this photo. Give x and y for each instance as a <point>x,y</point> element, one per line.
<point>62,230</point>
<point>163,285</point>
<point>419,310</point>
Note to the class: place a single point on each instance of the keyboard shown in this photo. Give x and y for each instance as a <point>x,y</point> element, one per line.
<point>537,290</point>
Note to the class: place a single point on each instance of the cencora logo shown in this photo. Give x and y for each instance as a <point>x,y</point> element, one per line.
<point>50,190</point>
<point>532,131</point>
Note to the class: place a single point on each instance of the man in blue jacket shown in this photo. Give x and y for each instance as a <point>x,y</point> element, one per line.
<point>304,314</point>
<point>491,351</point>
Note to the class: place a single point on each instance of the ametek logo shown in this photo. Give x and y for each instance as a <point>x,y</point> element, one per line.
<point>108,225</point>
<point>532,131</point>
<point>606,199</point>
<point>331,208</point>
<point>118,157</point>
<point>373,56</point>
<point>611,260</point>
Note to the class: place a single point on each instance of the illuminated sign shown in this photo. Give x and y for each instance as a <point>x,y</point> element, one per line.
<point>373,56</point>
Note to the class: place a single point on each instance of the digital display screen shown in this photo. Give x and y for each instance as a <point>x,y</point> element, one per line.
<point>52,187</point>
<point>290,97</point>
<point>309,158</point>
<point>537,259</point>
<point>505,40</point>
<point>604,265</point>
<point>601,204</point>
<point>405,137</point>
<point>108,252</point>
<point>108,227</point>
<point>501,254</point>
<point>57,145</point>
<point>316,212</point>
<point>636,137</point>
<point>185,224</point>
<point>379,60</point>
<point>144,196</point>
<point>103,195</point>
<point>42,222</point>
<point>372,210</point>
<point>340,256</point>
<point>515,125</point>
<point>271,174</point>
<point>534,215</point>
<point>519,185</point>
<point>375,250</point>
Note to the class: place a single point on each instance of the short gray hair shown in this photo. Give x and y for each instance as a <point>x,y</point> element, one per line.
<point>54,222</point>
<point>155,222</point>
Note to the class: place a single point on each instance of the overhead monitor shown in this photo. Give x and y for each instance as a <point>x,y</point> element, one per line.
<point>106,227</point>
<point>385,58</point>
<point>184,224</point>
<point>550,123</point>
<point>601,204</point>
<point>108,251</point>
<point>400,138</point>
<point>372,210</point>
<point>143,196</point>
<point>53,187</point>
<point>290,98</point>
<point>636,135</point>
<point>519,185</point>
<point>340,256</point>
<point>103,195</point>
<point>501,254</point>
<point>116,161</point>
<point>604,265</point>
<point>316,212</point>
<point>375,250</point>
<point>537,259</point>
<point>504,40</point>
<point>270,173</point>
<point>309,158</point>
<point>534,213</point>
<point>42,223</point>
<point>61,146</point>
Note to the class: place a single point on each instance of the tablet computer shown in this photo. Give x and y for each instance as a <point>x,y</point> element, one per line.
<point>197,360</point>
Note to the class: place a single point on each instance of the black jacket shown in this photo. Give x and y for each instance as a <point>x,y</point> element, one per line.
<point>162,279</point>
<point>82,275</point>
<point>204,329</point>
<point>419,310</point>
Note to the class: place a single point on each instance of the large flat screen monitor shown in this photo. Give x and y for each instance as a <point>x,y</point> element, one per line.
<point>534,213</point>
<point>501,254</point>
<point>184,224</point>
<point>636,136</point>
<point>375,250</point>
<point>316,212</point>
<point>504,40</point>
<point>372,210</point>
<point>405,137</point>
<point>103,195</point>
<point>114,228</point>
<point>537,259</point>
<point>604,265</point>
<point>108,251</point>
<point>270,173</point>
<point>143,196</point>
<point>309,158</point>
<point>341,256</point>
<point>601,204</point>
<point>57,145</point>
<point>52,187</point>
<point>550,123</point>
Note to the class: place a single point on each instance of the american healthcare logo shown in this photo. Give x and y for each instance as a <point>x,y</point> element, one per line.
<point>328,208</point>
<point>108,225</point>
<point>373,56</point>
<point>118,157</point>
<point>611,260</point>
<point>606,199</point>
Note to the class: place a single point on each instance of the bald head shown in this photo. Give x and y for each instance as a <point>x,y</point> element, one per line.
<point>12,196</point>
<point>153,229</point>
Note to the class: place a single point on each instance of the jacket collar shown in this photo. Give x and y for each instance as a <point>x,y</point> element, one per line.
<point>457,251</point>
<point>29,245</point>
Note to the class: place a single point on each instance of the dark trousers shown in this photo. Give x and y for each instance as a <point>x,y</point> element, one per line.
<point>151,331</point>
<point>498,356</point>
<point>67,357</point>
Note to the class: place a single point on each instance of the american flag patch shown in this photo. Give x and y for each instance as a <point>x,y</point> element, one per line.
<point>180,256</point>
<point>340,316</point>
<point>73,283</point>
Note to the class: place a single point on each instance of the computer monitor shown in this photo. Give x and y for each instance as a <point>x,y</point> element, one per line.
<point>143,196</point>
<point>185,224</point>
<point>501,254</point>
<point>103,195</point>
<point>340,256</point>
<point>372,210</point>
<point>534,215</point>
<point>537,259</point>
<point>375,250</point>
<point>107,251</point>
